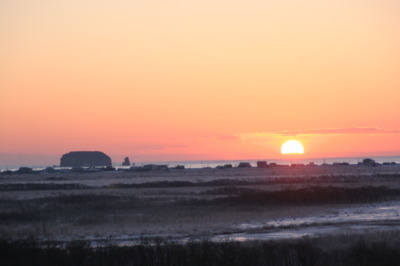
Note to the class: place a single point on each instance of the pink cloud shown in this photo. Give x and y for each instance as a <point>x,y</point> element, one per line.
<point>336,131</point>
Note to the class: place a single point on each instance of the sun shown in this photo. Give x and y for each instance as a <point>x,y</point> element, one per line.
<point>292,146</point>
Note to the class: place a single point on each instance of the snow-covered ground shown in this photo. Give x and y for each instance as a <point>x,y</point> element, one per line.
<point>356,219</point>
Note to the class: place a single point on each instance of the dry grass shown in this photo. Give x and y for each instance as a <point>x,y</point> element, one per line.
<point>356,250</point>
<point>185,202</point>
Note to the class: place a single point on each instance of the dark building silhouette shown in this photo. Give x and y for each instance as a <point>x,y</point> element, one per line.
<point>85,158</point>
<point>244,165</point>
<point>262,164</point>
<point>369,162</point>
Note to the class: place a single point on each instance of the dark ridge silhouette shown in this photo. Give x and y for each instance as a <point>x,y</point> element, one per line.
<point>85,158</point>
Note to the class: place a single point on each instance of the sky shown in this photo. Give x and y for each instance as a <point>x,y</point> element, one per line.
<point>198,80</point>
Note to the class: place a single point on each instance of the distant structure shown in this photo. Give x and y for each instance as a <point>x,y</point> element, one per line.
<point>389,163</point>
<point>154,167</point>
<point>340,164</point>
<point>225,166</point>
<point>126,162</point>
<point>369,162</point>
<point>262,164</point>
<point>244,165</point>
<point>85,158</point>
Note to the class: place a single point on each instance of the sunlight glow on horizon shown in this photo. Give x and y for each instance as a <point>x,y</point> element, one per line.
<point>292,146</point>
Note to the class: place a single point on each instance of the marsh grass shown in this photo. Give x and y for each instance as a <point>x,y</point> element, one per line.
<point>68,208</point>
<point>361,250</point>
<point>101,208</point>
<point>263,180</point>
<point>301,196</point>
<point>40,186</point>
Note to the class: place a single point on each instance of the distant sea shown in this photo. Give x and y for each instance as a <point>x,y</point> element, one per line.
<point>215,163</point>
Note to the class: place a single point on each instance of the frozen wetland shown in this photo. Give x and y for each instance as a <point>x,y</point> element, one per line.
<point>196,204</point>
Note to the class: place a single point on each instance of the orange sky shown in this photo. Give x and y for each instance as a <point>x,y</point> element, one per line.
<point>183,80</point>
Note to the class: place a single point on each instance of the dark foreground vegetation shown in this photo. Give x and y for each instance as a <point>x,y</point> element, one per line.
<point>356,251</point>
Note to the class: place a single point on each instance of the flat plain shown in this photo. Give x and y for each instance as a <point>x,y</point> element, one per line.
<point>195,204</point>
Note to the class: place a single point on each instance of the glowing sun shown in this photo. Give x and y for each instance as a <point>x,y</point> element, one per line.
<point>292,146</point>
